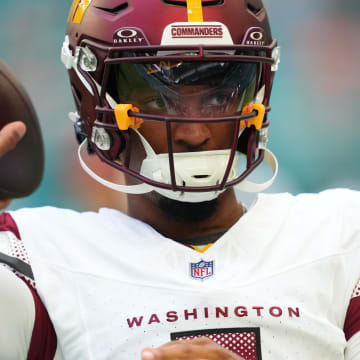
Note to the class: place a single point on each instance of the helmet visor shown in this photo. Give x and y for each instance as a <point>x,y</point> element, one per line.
<point>199,89</point>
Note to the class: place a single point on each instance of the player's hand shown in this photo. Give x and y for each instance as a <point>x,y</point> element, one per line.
<point>197,349</point>
<point>10,135</point>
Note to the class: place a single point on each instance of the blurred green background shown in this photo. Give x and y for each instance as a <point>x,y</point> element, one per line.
<point>315,102</point>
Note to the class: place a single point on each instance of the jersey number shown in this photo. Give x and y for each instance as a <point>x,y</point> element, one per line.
<point>244,342</point>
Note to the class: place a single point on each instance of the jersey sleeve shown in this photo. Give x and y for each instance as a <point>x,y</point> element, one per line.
<point>351,231</point>
<point>17,314</point>
<point>352,320</point>
<point>352,351</point>
<point>26,331</point>
<point>352,326</point>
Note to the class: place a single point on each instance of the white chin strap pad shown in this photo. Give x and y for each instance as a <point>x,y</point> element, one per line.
<point>192,169</point>
<point>217,157</point>
<point>129,189</point>
<point>249,186</point>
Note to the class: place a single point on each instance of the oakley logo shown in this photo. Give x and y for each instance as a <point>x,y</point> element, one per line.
<point>257,36</point>
<point>127,33</point>
<point>129,36</point>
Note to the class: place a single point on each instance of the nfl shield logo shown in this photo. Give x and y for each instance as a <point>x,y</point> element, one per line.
<point>202,269</point>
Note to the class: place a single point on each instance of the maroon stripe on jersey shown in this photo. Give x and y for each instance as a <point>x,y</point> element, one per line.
<point>352,320</point>
<point>43,340</point>
<point>7,223</point>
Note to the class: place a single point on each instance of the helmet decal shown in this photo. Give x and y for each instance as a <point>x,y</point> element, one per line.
<point>194,10</point>
<point>209,33</point>
<point>72,9</point>
<point>77,11</point>
<point>129,36</point>
<point>255,36</point>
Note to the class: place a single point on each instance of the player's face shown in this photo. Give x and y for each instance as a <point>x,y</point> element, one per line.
<point>188,136</point>
<point>194,92</point>
<point>190,90</point>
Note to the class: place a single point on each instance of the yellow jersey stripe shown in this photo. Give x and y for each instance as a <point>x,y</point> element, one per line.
<point>202,249</point>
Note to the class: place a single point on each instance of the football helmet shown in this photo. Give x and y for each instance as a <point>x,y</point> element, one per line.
<point>129,62</point>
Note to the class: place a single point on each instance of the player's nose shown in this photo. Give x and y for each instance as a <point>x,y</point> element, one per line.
<point>191,137</point>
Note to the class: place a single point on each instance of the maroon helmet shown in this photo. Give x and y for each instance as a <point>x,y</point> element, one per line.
<point>134,61</point>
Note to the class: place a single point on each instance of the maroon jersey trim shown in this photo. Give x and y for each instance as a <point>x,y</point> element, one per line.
<point>7,223</point>
<point>43,340</point>
<point>352,320</point>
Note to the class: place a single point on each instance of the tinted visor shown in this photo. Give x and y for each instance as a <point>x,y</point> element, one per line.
<point>185,88</point>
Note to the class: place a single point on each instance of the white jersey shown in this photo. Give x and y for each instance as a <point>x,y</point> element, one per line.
<point>277,285</point>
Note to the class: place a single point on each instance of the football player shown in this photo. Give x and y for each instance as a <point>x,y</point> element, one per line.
<point>175,94</point>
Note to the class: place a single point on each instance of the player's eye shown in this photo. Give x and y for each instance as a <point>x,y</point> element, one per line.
<point>216,100</point>
<point>155,103</point>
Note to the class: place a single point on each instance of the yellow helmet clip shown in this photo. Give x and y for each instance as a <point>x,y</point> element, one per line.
<point>123,120</point>
<point>258,120</point>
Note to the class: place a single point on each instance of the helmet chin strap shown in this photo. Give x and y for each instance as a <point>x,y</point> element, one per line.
<point>203,168</point>
<point>193,169</point>
<point>129,189</point>
<point>252,187</point>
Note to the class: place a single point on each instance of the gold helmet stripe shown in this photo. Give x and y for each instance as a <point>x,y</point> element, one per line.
<point>78,10</point>
<point>72,10</point>
<point>194,11</point>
